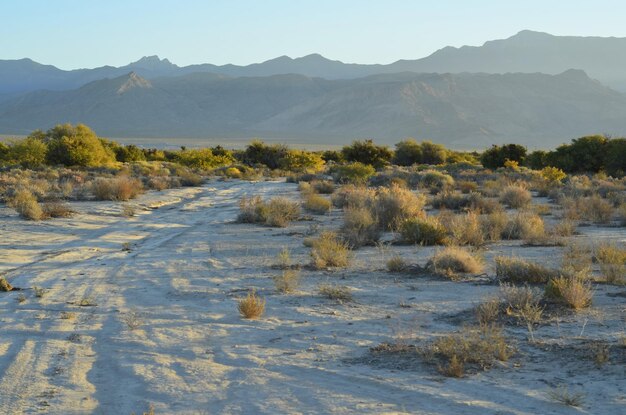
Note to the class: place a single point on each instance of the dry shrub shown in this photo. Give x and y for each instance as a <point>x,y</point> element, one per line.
<point>612,260</point>
<point>116,188</point>
<point>593,209</point>
<point>520,271</point>
<point>565,227</point>
<point>56,209</point>
<point>26,204</point>
<point>524,225</point>
<point>324,187</point>
<point>351,196</point>
<point>465,229</point>
<point>452,261</point>
<point>128,211</point>
<point>4,285</point>
<point>450,200</point>
<point>517,298</point>
<point>426,230</point>
<point>394,205</point>
<point>466,186</point>
<point>477,202</point>
<point>339,293</point>
<point>515,196</point>
<point>572,291</point>
<point>317,204</point>
<point>576,259</point>
<point>359,227</point>
<point>288,281</point>
<point>278,212</point>
<point>396,264</point>
<point>329,251</point>
<point>480,347</point>
<point>621,213</point>
<point>283,259</point>
<point>487,312</point>
<point>252,307</point>
<point>493,225</point>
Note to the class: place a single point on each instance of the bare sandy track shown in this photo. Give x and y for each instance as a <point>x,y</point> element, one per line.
<point>193,354</point>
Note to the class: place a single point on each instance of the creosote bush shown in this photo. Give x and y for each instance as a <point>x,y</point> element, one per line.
<point>328,250</point>
<point>452,261</point>
<point>520,271</point>
<point>425,231</point>
<point>252,307</point>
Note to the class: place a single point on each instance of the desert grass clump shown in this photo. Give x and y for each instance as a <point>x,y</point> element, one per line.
<point>116,188</point>
<point>396,264</point>
<point>339,293</point>
<point>328,250</point>
<point>252,307</point>
<point>612,260</point>
<point>133,319</point>
<point>283,259</point>
<point>26,204</point>
<point>478,347</point>
<point>287,281</point>
<point>277,212</point>
<point>572,291</point>
<point>523,303</point>
<point>450,200</point>
<point>563,396</point>
<point>453,261</point>
<point>515,196</point>
<point>426,230</point>
<point>4,285</point>
<point>394,205</point>
<point>359,228</point>
<point>520,271</point>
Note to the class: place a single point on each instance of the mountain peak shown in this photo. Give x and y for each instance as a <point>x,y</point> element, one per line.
<point>133,81</point>
<point>152,61</point>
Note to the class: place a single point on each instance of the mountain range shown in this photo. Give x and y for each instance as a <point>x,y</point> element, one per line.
<point>533,88</point>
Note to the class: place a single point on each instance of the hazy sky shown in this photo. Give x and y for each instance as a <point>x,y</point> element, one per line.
<point>89,33</point>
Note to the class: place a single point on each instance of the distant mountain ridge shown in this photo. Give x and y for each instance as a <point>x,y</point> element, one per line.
<point>527,52</point>
<point>462,110</point>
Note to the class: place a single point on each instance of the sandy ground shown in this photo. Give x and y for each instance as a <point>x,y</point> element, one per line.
<point>188,265</point>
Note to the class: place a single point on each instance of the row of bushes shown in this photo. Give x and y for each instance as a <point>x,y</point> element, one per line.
<point>590,154</point>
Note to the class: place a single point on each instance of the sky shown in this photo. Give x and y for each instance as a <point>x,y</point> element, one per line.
<point>74,34</point>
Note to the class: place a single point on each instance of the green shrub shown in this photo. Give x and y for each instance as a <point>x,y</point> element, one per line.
<point>366,152</point>
<point>496,156</point>
<point>356,173</point>
<point>77,146</point>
